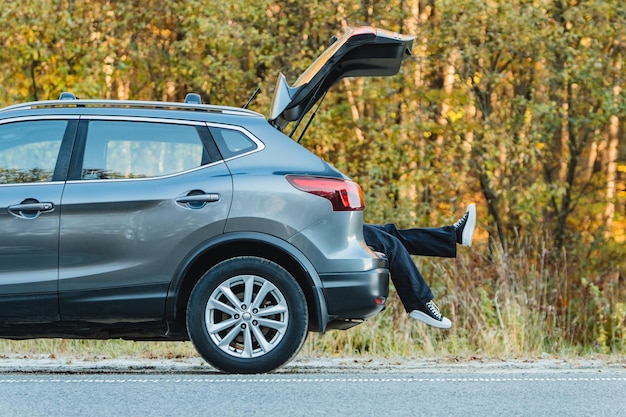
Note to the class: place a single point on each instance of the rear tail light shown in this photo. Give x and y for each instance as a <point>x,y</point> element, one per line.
<point>344,195</point>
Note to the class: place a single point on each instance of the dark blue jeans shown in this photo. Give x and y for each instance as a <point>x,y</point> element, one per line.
<point>398,245</point>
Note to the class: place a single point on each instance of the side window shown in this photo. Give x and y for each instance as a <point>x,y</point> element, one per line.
<point>126,149</point>
<point>232,142</point>
<point>29,150</point>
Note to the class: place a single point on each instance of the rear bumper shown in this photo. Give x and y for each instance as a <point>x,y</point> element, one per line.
<point>355,296</point>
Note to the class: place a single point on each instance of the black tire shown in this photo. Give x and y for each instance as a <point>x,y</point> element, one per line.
<point>247,315</point>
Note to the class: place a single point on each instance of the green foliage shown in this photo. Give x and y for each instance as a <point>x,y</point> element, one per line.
<point>517,105</point>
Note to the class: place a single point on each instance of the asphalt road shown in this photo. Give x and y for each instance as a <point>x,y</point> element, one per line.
<point>318,387</point>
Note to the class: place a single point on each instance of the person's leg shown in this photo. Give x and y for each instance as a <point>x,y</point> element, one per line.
<point>432,241</point>
<point>436,241</point>
<point>409,282</point>
<point>411,287</point>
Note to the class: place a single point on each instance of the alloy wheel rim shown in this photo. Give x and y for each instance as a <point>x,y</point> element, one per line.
<point>246,316</point>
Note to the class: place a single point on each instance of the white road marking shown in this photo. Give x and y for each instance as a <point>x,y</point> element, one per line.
<point>297,380</point>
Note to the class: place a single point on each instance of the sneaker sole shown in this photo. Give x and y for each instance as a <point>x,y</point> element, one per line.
<point>470,225</point>
<point>425,318</point>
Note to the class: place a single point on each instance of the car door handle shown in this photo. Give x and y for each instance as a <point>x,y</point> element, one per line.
<point>31,209</point>
<point>198,198</point>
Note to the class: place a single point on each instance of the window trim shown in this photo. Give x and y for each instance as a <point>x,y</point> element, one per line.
<point>246,132</point>
<point>41,117</point>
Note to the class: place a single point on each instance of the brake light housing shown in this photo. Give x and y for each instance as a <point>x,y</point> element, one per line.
<point>343,194</point>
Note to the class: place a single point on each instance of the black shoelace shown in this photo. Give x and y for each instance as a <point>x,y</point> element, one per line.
<point>434,310</point>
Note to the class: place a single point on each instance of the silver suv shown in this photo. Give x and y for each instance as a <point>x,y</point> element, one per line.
<point>177,221</point>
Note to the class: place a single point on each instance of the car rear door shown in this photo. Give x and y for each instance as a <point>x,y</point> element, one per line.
<point>31,184</point>
<point>142,194</point>
<point>360,52</point>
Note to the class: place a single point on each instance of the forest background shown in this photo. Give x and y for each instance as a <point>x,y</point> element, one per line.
<point>516,105</point>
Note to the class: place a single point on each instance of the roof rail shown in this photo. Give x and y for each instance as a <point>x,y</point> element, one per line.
<point>157,105</point>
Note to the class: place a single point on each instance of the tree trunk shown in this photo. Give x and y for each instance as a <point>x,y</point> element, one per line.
<point>610,160</point>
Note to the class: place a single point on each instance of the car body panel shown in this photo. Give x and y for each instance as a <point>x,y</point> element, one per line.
<point>260,186</point>
<point>29,255</point>
<point>133,234</point>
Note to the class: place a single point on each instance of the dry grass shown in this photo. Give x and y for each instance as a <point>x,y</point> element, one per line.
<point>526,303</point>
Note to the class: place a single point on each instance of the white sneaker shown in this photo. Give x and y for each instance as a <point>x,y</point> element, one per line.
<point>429,313</point>
<point>464,227</point>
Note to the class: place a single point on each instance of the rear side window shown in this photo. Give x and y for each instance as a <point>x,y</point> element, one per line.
<point>232,142</point>
<point>127,149</point>
<point>29,150</point>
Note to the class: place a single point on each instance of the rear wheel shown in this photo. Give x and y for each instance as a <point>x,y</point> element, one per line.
<point>247,315</point>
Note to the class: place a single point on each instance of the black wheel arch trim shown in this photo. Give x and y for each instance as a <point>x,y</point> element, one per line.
<point>214,245</point>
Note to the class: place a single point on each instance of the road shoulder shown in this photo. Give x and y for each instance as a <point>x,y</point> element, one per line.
<point>311,365</point>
